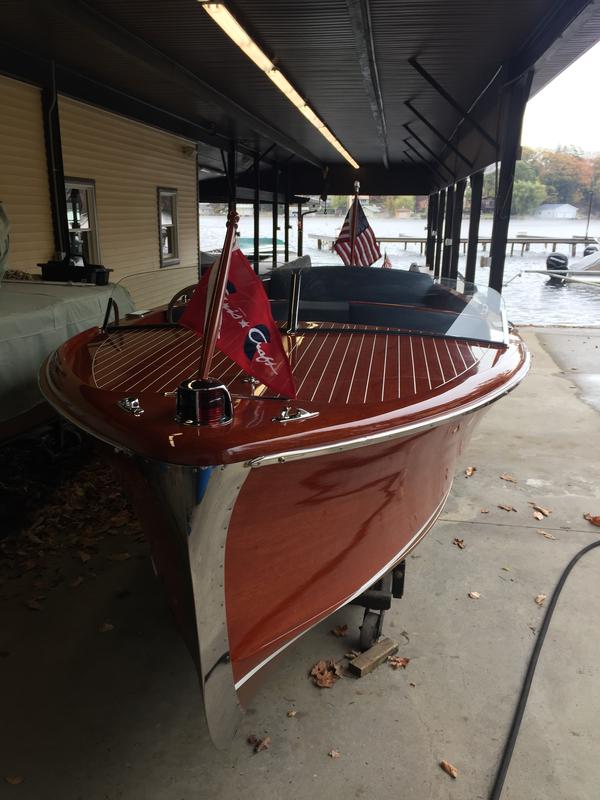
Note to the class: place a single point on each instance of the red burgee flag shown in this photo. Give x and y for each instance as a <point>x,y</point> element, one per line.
<point>366,249</point>
<point>248,334</point>
<point>387,264</point>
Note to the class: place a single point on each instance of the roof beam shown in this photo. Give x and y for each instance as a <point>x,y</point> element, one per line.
<point>121,40</point>
<point>436,158</point>
<point>449,99</point>
<point>429,166</point>
<point>433,129</point>
<point>360,18</point>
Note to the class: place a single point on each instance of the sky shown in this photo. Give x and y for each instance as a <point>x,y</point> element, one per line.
<point>567,111</point>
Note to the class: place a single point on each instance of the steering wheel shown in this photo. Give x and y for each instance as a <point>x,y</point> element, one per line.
<point>179,301</point>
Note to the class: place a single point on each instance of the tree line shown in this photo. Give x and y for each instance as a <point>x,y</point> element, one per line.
<point>565,175</point>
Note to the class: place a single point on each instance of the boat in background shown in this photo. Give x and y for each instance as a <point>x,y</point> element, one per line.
<point>585,271</point>
<point>265,514</point>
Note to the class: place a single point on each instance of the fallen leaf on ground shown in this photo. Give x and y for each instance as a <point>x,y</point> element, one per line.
<point>325,673</point>
<point>120,519</point>
<point>34,605</point>
<point>474,595</point>
<point>333,754</point>
<point>509,478</point>
<point>83,556</point>
<point>14,780</point>
<point>470,471</point>
<point>484,511</point>
<point>538,515</point>
<point>119,556</point>
<point>506,508</point>
<point>546,535</point>
<point>540,598</point>
<point>259,743</point>
<point>592,519</point>
<point>505,569</point>
<point>352,654</point>
<point>544,511</point>
<point>449,769</point>
<point>76,582</point>
<point>292,712</point>
<point>460,543</point>
<point>397,662</point>
<point>340,630</point>
<point>106,627</point>
<point>412,684</point>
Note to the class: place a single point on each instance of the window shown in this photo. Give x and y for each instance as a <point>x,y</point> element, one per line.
<point>81,218</point>
<point>167,225</point>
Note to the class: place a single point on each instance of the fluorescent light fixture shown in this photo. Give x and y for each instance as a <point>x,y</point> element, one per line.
<point>229,25</point>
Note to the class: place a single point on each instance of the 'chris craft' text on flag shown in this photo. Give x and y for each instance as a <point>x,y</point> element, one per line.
<point>248,333</point>
<point>366,249</point>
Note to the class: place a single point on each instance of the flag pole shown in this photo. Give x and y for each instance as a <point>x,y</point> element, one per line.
<point>353,222</point>
<point>213,312</point>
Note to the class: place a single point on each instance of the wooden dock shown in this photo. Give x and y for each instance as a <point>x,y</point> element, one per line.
<point>520,242</point>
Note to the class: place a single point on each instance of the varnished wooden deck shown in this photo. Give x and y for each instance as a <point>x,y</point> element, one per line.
<point>335,365</point>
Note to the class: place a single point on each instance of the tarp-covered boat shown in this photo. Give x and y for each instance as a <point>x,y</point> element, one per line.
<point>268,520</point>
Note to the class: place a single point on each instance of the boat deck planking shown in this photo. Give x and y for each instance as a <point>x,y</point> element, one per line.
<point>337,364</point>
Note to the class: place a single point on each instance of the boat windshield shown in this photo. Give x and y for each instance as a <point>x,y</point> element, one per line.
<point>339,298</point>
<point>389,300</point>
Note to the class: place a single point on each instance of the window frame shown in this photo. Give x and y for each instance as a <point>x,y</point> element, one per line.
<point>87,185</point>
<point>172,260</point>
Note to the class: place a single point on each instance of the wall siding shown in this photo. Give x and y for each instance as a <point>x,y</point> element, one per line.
<point>128,162</point>
<point>24,188</point>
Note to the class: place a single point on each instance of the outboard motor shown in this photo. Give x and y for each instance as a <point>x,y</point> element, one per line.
<point>557,262</point>
<point>590,248</point>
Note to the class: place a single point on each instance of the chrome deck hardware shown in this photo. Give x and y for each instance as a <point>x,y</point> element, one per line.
<point>131,405</point>
<point>287,415</point>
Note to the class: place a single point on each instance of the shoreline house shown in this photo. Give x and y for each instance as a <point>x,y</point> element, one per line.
<point>556,211</point>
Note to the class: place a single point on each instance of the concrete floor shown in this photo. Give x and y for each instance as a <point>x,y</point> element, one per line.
<point>91,716</point>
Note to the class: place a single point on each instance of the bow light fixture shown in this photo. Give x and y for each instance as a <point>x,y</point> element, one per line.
<point>229,25</point>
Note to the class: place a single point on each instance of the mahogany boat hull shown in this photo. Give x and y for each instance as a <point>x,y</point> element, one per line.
<point>271,551</point>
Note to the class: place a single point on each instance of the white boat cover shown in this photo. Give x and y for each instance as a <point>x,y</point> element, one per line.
<point>35,318</point>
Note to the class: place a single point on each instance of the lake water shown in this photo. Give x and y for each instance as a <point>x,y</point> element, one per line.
<point>530,299</point>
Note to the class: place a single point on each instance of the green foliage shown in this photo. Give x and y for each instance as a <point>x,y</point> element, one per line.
<point>527,196</point>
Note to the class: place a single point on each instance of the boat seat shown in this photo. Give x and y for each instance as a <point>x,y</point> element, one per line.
<point>313,310</point>
<point>337,284</point>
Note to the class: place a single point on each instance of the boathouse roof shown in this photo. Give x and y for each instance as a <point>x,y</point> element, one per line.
<point>358,63</point>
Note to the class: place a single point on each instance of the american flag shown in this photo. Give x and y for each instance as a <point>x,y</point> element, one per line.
<point>366,249</point>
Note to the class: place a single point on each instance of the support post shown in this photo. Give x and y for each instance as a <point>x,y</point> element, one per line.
<point>353,223</point>
<point>256,212</point>
<point>275,213</point>
<point>459,194</point>
<point>56,174</point>
<point>439,234</point>
<point>231,177</point>
<point>432,205</point>
<point>447,249</point>
<point>286,219</point>
<point>476,194</point>
<point>300,246</point>
<point>517,95</point>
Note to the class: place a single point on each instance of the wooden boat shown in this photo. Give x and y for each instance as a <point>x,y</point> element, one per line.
<point>262,527</point>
